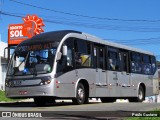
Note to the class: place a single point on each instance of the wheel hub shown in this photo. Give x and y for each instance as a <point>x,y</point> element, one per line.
<point>80,93</point>
<point>140,95</point>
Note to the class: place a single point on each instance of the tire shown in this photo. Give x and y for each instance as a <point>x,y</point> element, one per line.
<point>141,96</point>
<point>86,101</point>
<point>107,100</point>
<point>80,95</point>
<point>40,101</point>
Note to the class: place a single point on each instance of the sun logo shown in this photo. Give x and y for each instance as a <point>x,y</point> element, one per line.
<point>33,24</point>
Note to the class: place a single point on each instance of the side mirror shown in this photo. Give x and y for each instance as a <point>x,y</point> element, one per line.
<point>64,50</point>
<point>59,56</point>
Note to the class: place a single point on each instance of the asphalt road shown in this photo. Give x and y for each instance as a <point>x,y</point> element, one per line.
<point>62,110</point>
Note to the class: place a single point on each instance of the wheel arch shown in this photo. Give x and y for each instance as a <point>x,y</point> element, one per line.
<point>144,88</point>
<point>85,83</point>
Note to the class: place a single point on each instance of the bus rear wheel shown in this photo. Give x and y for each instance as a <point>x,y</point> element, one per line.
<point>80,95</point>
<point>107,100</point>
<point>141,96</point>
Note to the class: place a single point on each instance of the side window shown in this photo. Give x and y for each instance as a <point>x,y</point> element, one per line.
<point>69,53</point>
<point>99,56</point>
<point>146,66</point>
<point>113,59</point>
<point>136,65</point>
<point>95,57</point>
<point>82,53</point>
<point>66,62</point>
<point>153,64</point>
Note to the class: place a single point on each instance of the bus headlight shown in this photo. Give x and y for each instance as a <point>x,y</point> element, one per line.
<point>45,82</point>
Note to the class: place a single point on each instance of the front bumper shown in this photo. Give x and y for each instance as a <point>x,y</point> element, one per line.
<point>29,92</point>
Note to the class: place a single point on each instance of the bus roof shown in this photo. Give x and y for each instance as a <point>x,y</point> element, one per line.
<point>113,44</point>
<point>58,36</point>
<point>49,36</point>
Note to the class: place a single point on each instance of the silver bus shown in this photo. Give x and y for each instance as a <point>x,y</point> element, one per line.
<point>74,65</point>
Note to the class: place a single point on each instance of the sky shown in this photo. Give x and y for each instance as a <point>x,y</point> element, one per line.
<point>134,23</point>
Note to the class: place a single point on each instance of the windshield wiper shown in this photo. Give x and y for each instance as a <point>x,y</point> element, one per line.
<point>16,69</point>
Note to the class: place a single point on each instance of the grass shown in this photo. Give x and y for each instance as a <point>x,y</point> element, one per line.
<point>144,118</point>
<point>3,98</point>
<point>157,111</point>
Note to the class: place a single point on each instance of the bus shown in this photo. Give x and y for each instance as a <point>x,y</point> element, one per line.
<point>73,65</point>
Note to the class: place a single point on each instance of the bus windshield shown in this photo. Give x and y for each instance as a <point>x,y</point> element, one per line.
<point>33,59</point>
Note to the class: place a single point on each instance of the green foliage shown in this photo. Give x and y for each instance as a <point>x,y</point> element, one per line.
<point>156,111</point>
<point>3,98</point>
<point>143,118</point>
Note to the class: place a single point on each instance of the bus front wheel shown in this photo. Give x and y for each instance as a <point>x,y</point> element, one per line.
<point>80,95</point>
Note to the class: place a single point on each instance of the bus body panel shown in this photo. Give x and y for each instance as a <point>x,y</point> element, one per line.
<point>156,83</point>
<point>89,75</point>
<point>68,82</point>
<point>65,85</point>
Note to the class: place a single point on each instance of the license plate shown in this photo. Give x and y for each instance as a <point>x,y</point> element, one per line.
<point>23,92</point>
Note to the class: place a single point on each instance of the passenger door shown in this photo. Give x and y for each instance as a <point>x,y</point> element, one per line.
<point>125,76</point>
<point>99,61</point>
<point>113,66</point>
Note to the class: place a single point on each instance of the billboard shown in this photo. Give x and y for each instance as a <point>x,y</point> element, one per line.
<point>19,32</point>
